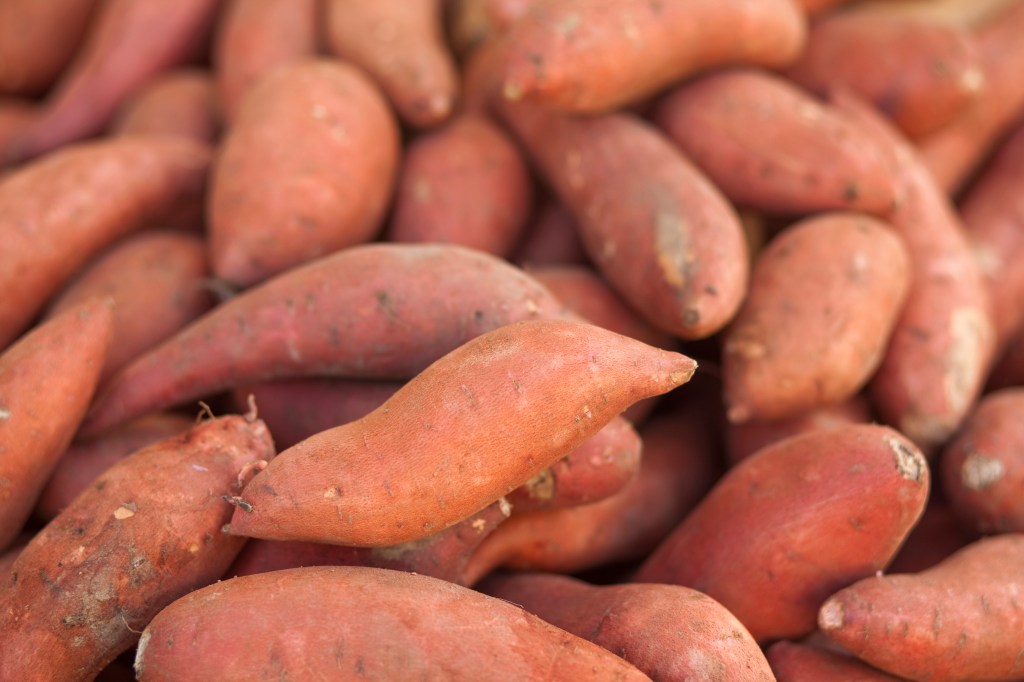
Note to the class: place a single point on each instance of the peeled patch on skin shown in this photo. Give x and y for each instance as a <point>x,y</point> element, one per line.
<point>910,463</point>
<point>979,472</point>
<point>971,332</point>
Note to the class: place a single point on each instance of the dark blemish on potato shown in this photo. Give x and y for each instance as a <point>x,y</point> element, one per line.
<point>691,316</point>
<point>857,523</point>
<point>851,192</point>
<point>236,501</point>
<point>387,305</point>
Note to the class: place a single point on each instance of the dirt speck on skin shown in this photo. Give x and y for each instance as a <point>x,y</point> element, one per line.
<point>979,472</point>
<point>541,486</point>
<point>909,462</point>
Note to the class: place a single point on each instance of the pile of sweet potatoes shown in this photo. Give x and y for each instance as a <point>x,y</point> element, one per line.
<point>512,339</point>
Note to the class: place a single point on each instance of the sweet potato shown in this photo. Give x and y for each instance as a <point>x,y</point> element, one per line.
<point>743,440</point>
<point>344,315</point>
<point>788,526</point>
<point>38,40</point>
<point>669,632</point>
<point>252,38</point>
<point>943,342</point>
<point>274,206</point>
<point>771,146</point>
<point>921,74</point>
<point>479,422</point>
<point>1008,370</point>
<point>661,234</point>
<point>180,102</point>
<point>128,43</point>
<point>793,662</point>
<point>589,56</point>
<point>993,213</point>
<point>295,409</point>
<point>983,467</point>
<point>960,620</point>
<point>472,22</point>
<point>400,43</point>
<point>442,555</point>
<point>551,239</point>
<point>465,183</point>
<point>679,465</point>
<point>145,533</point>
<point>954,152</point>
<point>155,279</point>
<point>59,211</point>
<point>82,463</point>
<point>380,624</point>
<point>47,379</point>
<point>937,535</point>
<point>841,280</point>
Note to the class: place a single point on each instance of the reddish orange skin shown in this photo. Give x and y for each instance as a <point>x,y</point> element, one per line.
<point>57,212</point>
<point>743,440</point>
<point>825,295</point>
<point>472,22</point>
<point>993,213</point>
<point>295,409</point>
<point>584,56</point>
<point>474,425</point>
<point>551,239</point>
<point>585,293</point>
<point>661,234</point>
<point>82,463</point>
<point>401,44</point>
<point>1008,370</point>
<point>954,152</point>
<point>983,467</point>
<point>678,466</point>
<point>345,315</point>
<point>47,379</point>
<point>465,183</point>
<point>145,533</point>
<point>943,342</point>
<point>771,146</point>
<point>156,281</point>
<point>442,555</point>
<point>958,621</point>
<point>383,625</point>
<point>252,38</point>
<point>812,7</point>
<point>669,632</point>
<point>788,526</point>
<point>921,74</point>
<point>596,469</point>
<point>181,102</point>
<point>936,535</point>
<point>793,662</point>
<point>38,40</point>
<point>127,44</point>
<point>274,206</point>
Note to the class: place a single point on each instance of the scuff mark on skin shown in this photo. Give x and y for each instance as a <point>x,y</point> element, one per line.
<point>979,472</point>
<point>909,462</point>
<point>971,333</point>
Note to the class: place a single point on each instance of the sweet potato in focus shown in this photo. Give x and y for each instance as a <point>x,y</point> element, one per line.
<point>145,533</point>
<point>47,379</point>
<point>472,426</point>
<point>841,280</point>
<point>274,206</point>
<point>786,527</point>
<point>959,621</point>
<point>382,625</point>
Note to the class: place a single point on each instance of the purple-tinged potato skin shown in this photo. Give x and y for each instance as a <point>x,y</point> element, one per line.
<point>465,183</point>
<point>786,527</point>
<point>796,662</point>
<point>982,469</point>
<point>585,56</point>
<point>943,342</point>
<point>59,211</point>
<point>143,534</point>
<point>824,297</point>
<point>770,146</point>
<point>274,206</point>
<point>959,621</point>
<point>345,315</point>
<point>669,632</point>
<point>661,234</point>
<point>442,555</point>
<point>47,379</point>
<point>383,625</point>
<point>470,428</point>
